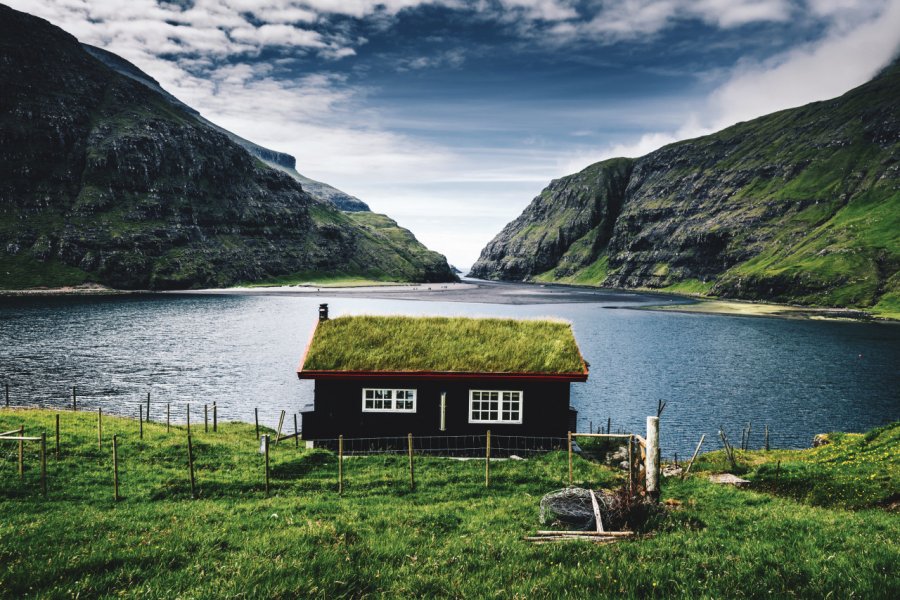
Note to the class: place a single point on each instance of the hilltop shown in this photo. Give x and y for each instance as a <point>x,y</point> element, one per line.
<point>106,178</point>
<point>800,206</point>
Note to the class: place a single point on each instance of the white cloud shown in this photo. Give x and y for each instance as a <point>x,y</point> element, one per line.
<point>850,54</point>
<point>278,35</point>
<point>618,20</point>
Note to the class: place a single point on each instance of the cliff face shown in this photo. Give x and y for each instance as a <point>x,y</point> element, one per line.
<point>105,179</point>
<point>278,160</point>
<point>798,206</point>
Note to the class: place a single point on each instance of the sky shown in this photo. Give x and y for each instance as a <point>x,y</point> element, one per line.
<point>451,115</point>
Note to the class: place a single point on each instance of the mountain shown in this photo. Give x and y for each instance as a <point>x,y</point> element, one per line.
<point>800,206</point>
<point>104,178</point>
<point>277,160</point>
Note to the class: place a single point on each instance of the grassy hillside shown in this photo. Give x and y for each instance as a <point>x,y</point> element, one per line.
<point>107,180</point>
<point>799,206</point>
<point>450,537</point>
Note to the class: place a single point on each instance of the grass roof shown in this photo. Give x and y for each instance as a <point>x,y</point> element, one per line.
<point>443,344</point>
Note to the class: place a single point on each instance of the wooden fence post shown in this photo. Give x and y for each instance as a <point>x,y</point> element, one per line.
<point>266,440</point>
<point>99,428</point>
<point>694,456</point>
<point>191,465</point>
<point>412,478</point>
<point>168,414</point>
<point>631,476</point>
<point>7,395</point>
<point>280,424</point>
<point>487,459</point>
<point>340,464</point>
<point>205,418</point>
<point>21,452</point>
<point>256,418</point>
<point>115,467</point>
<point>570,457</point>
<point>148,407</point>
<point>215,418</point>
<point>296,433</point>
<point>651,462</point>
<point>44,463</point>
<point>189,418</point>
<point>608,425</point>
<point>74,400</point>
<point>57,436</point>
<point>141,420</point>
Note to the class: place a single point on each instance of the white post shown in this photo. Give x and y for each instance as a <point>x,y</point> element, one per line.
<point>443,411</point>
<point>651,461</point>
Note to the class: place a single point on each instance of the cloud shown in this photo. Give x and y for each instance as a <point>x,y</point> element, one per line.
<point>855,47</point>
<point>209,54</point>
<point>618,20</point>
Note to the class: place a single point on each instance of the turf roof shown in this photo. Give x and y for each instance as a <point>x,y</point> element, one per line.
<point>443,345</point>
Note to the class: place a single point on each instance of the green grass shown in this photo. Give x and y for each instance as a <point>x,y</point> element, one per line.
<point>450,537</point>
<point>852,471</point>
<point>692,287</point>
<point>593,274</point>
<point>22,272</point>
<point>441,344</point>
<point>315,279</point>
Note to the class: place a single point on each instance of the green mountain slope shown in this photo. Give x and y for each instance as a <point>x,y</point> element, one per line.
<point>104,179</point>
<point>799,206</point>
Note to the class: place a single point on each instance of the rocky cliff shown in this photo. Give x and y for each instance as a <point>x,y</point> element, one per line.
<point>104,179</point>
<point>281,161</point>
<point>799,206</point>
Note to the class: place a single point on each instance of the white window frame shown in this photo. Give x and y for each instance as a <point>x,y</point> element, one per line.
<point>392,399</point>
<point>500,400</point>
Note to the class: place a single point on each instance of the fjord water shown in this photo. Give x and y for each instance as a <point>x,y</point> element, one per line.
<point>798,377</point>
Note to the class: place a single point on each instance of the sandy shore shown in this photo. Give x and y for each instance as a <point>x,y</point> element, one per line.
<point>757,309</point>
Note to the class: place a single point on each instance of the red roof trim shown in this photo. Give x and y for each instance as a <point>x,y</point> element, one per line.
<point>310,374</point>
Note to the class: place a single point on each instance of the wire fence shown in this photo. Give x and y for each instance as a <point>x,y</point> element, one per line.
<point>447,445</point>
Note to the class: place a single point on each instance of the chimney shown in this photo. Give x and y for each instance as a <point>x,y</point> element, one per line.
<point>323,312</point>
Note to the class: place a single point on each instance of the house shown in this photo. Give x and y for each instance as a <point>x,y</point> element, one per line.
<point>439,376</point>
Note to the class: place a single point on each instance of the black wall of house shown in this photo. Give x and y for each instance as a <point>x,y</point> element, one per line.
<point>338,409</point>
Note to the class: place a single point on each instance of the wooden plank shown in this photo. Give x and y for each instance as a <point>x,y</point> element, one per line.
<point>10,432</point>
<point>191,465</point>
<point>603,435</point>
<point>44,464</point>
<point>280,423</point>
<point>20,438</point>
<point>115,450</point>
<point>587,533</point>
<point>596,506</point>
<point>22,452</point>
<point>487,459</point>
<point>696,452</point>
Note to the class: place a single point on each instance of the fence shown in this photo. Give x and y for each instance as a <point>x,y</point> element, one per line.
<point>502,446</point>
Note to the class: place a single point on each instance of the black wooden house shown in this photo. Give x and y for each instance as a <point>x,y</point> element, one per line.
<point>436,376</point>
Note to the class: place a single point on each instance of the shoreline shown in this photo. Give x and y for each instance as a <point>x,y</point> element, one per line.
<point>498,292</point>
<point>744,308</point>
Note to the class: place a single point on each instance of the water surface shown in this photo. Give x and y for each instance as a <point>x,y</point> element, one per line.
<point>798,377</point>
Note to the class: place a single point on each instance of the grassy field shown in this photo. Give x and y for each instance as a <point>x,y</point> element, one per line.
<point>450,537</point>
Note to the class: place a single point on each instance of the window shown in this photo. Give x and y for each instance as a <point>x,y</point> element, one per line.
<point>495,406</point>
<point>388,400</point>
